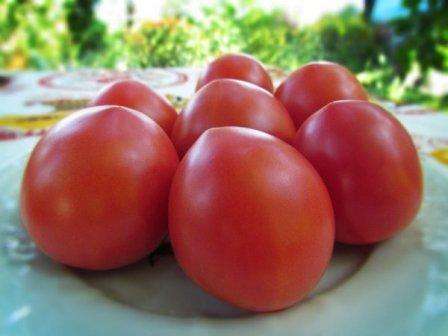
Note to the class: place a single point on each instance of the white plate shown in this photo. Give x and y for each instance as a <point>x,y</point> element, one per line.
<point>399,287</point>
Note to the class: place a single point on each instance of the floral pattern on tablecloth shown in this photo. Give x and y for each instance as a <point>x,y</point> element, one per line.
<point>34,101</point>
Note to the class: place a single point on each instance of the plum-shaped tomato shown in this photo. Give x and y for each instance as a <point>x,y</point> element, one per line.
<point>96,196</point>
<point>230,102</point>
<point>370,166</point>
<point>237,66</point>
<point>250,220</point>
<point>314,85</point>
<point>138,96</point>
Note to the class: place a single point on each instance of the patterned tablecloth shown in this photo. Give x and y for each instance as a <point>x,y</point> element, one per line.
<point>30,102</point>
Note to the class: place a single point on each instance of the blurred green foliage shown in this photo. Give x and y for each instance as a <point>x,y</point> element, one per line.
<point>86,32</point>
<point>50,34</point>
<point>33,35</point>
<point>170,42</point>
<point>423,36</point>
<point>347,39</point>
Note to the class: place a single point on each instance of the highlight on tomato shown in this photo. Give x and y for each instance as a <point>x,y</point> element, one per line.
<point>314,85</point>
<point>250,220</point>
<point>138,96</point>
<point>236,66</point>
<point>230,102</point>
<point>95,189</point>
<point>369,165</point>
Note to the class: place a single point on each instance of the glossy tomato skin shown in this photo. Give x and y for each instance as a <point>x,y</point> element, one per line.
<point>314,85</point>
<point>237,66</point>
<point>230,102</point>
<point>96,197</point>
<point>370,166</point>
<point>250,220</point>
<point>138,96</point>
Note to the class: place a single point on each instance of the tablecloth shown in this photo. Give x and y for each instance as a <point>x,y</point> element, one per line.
<point>30,102</point>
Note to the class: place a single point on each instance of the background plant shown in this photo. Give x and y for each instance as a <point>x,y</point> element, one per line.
<point>33,35</point>
<point>52,34</point>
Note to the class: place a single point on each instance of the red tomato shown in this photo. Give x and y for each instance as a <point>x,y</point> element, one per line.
<point>96,197</point>
<point>370,166</point>
<point>230,102</point>
<point>138,96</point>
<point>237,66</point>
<point>250,220</point>
<point>315,85</point>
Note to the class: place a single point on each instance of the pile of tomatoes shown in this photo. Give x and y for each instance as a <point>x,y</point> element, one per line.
<point>253,186</point>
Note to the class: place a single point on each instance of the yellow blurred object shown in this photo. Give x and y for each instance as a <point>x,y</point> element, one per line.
<point>62,104</point>
<point>441,154</point>
<point>178,102</point>
<point>18,61</point>
<point>168,22</point>
<point>35,122</point>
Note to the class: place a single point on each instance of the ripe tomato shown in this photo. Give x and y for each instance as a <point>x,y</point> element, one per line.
<point>138,96</point>
<point>96,196</point>
<point>250,220</point>
<point>230,102</point>
<point>237,66</point>
<point>315,85</point>
<point>370,166</point>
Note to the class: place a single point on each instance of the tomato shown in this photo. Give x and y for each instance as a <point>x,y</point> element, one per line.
<point>95,189</point>
<point>138,96</point>
<point>237,66</point>
<point>250,220</point>
<point>315,85</point>
<point>230,102</point>
<point>370,166</point>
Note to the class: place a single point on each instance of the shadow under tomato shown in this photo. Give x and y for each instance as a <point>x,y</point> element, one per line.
<point>163,288</point>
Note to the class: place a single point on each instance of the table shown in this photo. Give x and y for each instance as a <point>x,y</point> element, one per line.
<point>33,101</point>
